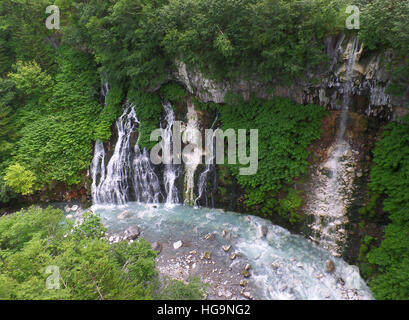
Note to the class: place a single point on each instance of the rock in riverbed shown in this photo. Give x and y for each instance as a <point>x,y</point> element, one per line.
<point>157,246</point>
<point>329,266</point>
<point>124,215</point>
<point>177,244</point>
<point>132,232</point>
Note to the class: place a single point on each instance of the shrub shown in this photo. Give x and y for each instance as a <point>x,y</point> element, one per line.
<point>19,179</point>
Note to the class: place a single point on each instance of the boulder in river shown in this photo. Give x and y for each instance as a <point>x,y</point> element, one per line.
<point>264,230</point>
<point>226,248</point>
<point>157,246</point>
<point>132,232</point>
<point>124,215</point>
<point>329,266</point>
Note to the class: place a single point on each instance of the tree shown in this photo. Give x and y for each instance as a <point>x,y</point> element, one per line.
<point>7,129</point>
<point>19,179</point>
<point>33,83</point>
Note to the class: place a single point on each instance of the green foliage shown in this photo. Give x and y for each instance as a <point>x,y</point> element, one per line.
<point>109,114</point>
<point>389,178</point>
<point>31,81</point>
<point>172,92</point>
<point>277,39</point>
<point>385,26</point>
<point>90,228</point>
<point>370,209</point>
<point>228,39</point>
<point>24,35</point>
<point>148,107</point>
<point>6,194</point>
<point>367,269</point>
<point>290,205</point>
<point>285,131</point>
<point>178,290</point>
<point>89,268</point>
<point>20,179</point>
<point>56,138</point>
<point>7,130</point>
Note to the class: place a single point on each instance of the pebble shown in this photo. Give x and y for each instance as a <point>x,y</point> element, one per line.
<point>247,295</point>
<point>329,266</point>
<point>177,244</point>
<point>206,255</point>
<point>243,283</point>
<point>209,236</point>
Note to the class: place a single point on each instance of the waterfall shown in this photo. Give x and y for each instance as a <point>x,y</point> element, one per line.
<point>145,181</point>
<point>97,172</point>
<point>203,184</point>
<point>192,159</point>
<point>129,174</point>
<point>115,188</point>
<point>171,171</point>
<point>333,185</point>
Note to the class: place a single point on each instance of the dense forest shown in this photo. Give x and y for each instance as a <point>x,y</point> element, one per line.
<point>51,116</point>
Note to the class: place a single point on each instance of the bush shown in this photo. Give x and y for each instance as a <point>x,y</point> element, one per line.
<point>20,180</point>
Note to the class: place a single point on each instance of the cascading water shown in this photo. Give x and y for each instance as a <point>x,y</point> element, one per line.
<point>333,189</point>
<point>171,171</point>
<point>203,184</point>
<point>192,157</point>
<point>129,174</point>
<point>145,181</point>
<point>115,188</point>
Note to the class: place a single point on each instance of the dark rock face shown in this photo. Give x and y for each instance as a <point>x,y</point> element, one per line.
<point>321,86</point>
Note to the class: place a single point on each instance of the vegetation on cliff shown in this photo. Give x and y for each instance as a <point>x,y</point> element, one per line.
<point>286,129</point>
<point>389,179</point>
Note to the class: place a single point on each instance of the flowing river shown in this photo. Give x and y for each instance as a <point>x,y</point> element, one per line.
<point>281,265</point>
